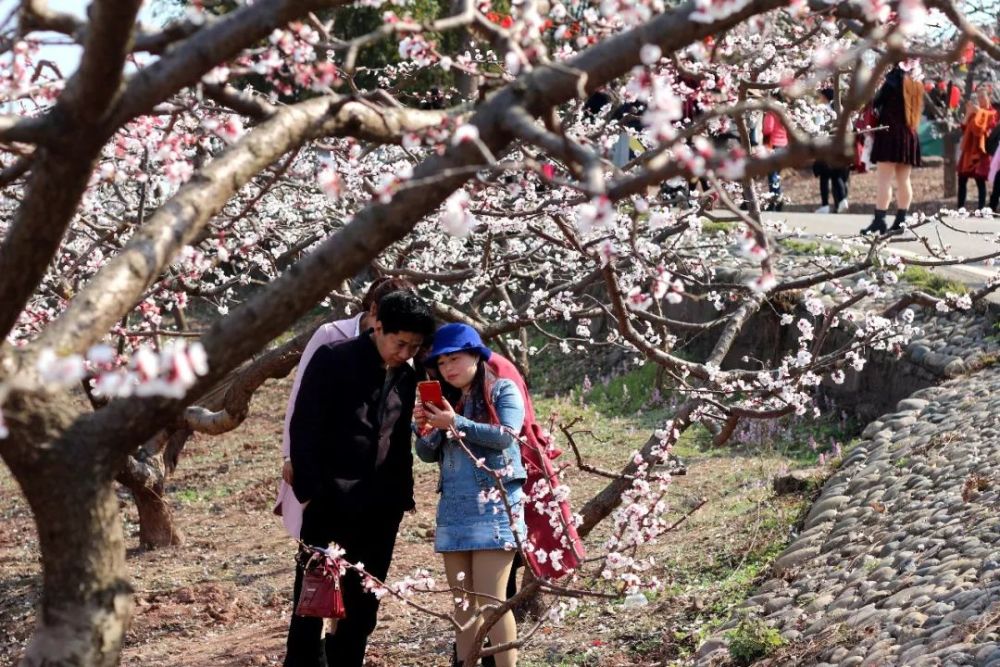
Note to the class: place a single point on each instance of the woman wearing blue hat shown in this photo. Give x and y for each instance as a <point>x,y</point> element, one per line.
<point>475,533</point>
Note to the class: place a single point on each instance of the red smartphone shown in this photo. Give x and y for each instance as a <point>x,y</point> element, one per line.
<point>430,392</point>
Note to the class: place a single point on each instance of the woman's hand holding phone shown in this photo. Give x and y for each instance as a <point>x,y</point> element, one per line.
<point>442,418</point>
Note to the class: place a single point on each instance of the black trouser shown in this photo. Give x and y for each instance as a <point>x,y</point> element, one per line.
<point>995,194</point>
<point>963,187</point>
<point>512,579</point>
<point>838,179</point>
<point>366,538</point>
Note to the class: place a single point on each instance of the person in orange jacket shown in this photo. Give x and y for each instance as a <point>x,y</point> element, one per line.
<point>974,162</point>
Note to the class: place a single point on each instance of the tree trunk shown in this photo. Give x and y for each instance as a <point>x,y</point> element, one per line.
<point>86,604</point>
<point>87,599</point>
<point>466,84</point>
<point>146,481</point>
<point>145,475</point>
<point>156,524</point>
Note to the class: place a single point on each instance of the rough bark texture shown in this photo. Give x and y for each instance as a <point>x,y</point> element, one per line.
<point>145,477</point>
<point>951,139</point>
<point>86,603</point>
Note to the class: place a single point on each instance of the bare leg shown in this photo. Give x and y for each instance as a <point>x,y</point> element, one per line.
<point>455,563</point>
<point>904,188</point>
<point>490,570</point>
<point>886,172</point>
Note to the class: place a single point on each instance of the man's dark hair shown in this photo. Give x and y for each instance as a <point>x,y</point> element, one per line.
<point>405,311</point>
<point>381,287</point>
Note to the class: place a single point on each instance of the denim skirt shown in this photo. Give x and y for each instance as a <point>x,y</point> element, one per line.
<point>466,523</point>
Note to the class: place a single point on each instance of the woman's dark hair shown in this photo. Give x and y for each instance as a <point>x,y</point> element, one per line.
<point>405,311</point>
<point>383,286</point>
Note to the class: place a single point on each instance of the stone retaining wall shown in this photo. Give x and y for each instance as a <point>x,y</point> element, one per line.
<point>953,344</point>
<point>898,561</point>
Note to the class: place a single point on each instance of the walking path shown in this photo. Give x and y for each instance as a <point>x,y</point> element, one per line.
<point>974,237</point>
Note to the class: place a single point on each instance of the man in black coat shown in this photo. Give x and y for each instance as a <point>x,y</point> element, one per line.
<point>350,447</point>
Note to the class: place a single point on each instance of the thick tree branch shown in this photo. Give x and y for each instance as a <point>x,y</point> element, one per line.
<point>61,170</point>
<point>95,85</point>
<point>36,15</point>
<point>188,61</point>
<point>28,130</point>
<point>342,255</point>
<point>122,281</point>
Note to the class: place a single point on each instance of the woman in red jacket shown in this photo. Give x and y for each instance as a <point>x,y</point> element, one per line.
<point>775,136</point>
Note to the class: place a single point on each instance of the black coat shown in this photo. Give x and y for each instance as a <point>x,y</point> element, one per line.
<point>350,452</point>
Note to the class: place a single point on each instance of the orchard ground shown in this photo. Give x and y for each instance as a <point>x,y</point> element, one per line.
<point>223,598</point>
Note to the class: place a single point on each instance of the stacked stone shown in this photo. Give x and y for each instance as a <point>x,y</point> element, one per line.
<point>955,343</point>
<point>898,561</point>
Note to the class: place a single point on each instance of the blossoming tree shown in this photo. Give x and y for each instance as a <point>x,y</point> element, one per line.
<point>235,171</point>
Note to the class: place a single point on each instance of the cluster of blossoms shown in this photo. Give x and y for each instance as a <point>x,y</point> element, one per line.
<point>169,372</point>
<point>953,301</point>
<point>26,78</point>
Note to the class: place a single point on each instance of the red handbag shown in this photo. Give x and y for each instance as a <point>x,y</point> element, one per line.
<point>321,595</point>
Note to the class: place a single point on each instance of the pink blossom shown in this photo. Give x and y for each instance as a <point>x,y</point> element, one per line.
<point>464,133</point>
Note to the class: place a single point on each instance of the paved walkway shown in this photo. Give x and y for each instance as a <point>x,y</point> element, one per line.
<point>972,238</point>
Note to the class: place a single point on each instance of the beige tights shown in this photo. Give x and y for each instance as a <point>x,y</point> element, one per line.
<point>486,573</point>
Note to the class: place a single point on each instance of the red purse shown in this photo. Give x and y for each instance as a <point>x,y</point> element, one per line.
<point>321,595</point>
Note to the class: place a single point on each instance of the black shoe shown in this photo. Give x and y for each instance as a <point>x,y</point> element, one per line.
<point>900,220</point>
<point>877,226</point>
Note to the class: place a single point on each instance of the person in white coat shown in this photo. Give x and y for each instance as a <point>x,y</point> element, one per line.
<point>287,506</point>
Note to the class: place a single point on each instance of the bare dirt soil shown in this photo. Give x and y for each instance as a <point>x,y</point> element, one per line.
<point>801,188</point>
<point>224,597</point>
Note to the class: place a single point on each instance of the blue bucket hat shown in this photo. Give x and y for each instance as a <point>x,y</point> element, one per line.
<point>458,337</point>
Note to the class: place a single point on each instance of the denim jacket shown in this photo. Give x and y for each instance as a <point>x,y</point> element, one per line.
<point>494,444</point>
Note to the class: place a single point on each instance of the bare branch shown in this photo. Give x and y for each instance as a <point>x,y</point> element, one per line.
<point>520,123</point>
<point>255,107</point>
<point>60,173</point>
<point>121,282</point>
<point>911,299</point>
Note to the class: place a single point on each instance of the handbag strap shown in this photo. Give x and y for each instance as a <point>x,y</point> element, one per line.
<point>320,560</point>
